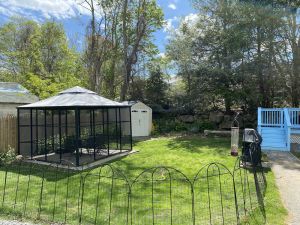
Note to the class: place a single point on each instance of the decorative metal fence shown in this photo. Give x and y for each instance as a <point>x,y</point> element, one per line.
<point>159,195</point>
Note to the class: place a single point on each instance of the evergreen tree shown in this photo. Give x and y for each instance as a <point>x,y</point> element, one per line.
<point>156,88</point>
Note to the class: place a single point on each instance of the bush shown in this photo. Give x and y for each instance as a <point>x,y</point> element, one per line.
<point>167,125</point>
<point>205,125</point>
<point>8,156</point>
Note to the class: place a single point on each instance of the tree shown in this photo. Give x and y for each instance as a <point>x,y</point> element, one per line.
<point>38,56</point>
<point>216,44</point>
<point>140,19</point>
<point>235,55</point>
<point>288,51</point>
<point>156,88</point>
<point>102,55</point>
<point>19,44</point>
<point>119,36</point>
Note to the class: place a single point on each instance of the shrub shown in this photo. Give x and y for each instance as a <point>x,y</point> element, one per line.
<point>167,125</point>
<point>205,125</point>
<point>8,156</point>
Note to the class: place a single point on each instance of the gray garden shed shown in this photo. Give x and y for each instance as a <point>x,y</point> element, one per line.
<point>13,95</point>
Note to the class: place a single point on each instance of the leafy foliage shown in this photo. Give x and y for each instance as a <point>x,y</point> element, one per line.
<point>7,156</point>
<point>238,54</point>
<point>229,55</point>
<point>39,57</point>
<point>156,87</point>
<point>169,125</point>
<point>119,42</point>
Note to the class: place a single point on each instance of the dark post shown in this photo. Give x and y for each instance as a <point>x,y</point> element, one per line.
<point>94,133</point>
<point>130,128</point>
<point>59,134</point>
<point>91,116</point>
<point>31,143</point>
<point>79,125</point>
<point>66,126</point>
<point>52,126</point>
<point>116,133</point>
<point>77,135</point>
<point>18,124</point>
<point>120,127</point>
<point>37,130</point>
<point>108,125</point>
<point>45,134</point>
<point>79,130</point>
<point>103,130</point>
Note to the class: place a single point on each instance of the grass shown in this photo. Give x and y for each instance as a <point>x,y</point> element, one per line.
<point>187,154</point>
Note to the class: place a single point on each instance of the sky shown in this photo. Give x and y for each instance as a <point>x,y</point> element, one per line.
<point>75,17</point>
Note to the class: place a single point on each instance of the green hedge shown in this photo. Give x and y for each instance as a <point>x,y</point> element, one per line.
<point>163,125</point>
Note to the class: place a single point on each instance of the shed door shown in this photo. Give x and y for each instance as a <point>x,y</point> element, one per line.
<point>139,122</point>
<point>144,122</point>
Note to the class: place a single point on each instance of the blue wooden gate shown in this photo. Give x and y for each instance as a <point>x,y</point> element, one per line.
<point>277,126</point>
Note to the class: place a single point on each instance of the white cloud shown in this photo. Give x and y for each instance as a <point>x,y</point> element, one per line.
<point>169,24</point>
<point>191,18</point>
<point>161,55</point>
<point>172,6</point>
<point>6,12</point>
<point>58,9</point>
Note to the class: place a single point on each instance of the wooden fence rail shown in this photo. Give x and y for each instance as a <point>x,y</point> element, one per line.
<point>8,133</point>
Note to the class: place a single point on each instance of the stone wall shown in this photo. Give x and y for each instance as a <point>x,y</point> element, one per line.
<point>224,121</point>
<point>220,120</point>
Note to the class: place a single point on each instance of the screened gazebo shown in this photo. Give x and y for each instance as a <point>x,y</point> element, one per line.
<point>75,127</point>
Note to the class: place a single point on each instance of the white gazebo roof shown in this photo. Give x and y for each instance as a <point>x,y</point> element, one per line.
<point>75,97</point>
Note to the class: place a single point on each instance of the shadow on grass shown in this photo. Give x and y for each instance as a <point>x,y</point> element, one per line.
<point>216,146</point>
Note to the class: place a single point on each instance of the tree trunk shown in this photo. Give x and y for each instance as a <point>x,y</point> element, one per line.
<point>260,75</point>
<point>295,82</point>
<point>125,85</point>
<point>125,52</point>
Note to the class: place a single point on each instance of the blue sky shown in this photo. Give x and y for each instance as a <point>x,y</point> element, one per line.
<point>74,17</point>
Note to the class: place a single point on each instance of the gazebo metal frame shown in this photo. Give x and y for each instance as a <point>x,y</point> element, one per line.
<point>74,134</point>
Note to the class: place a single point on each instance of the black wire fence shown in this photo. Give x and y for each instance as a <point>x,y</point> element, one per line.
<point>160,195</point>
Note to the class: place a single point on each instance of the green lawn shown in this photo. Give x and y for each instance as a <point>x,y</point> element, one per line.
<point>189,154</point>
<point>186,154</point>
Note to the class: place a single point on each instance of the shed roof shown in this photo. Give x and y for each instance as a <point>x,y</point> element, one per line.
<point>136,103</point>
<point>75,97</point>
<point>11,92</point>
<point>131,103</point>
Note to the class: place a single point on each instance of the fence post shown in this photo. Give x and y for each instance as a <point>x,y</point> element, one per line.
<point>18,135</point>
<point>193,204</point>
<point>259,120</point>
<point>287,122</point>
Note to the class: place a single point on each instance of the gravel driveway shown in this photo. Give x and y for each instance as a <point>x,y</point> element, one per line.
<point>286,169</point>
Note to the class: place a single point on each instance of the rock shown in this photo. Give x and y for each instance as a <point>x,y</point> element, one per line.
<point>228,118</point>
<point>187,118</point>
<point>19,157</point>
<point>221,133</point>
<point>216,117</point>
<point>225,125</point>
<point>203,117</point>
